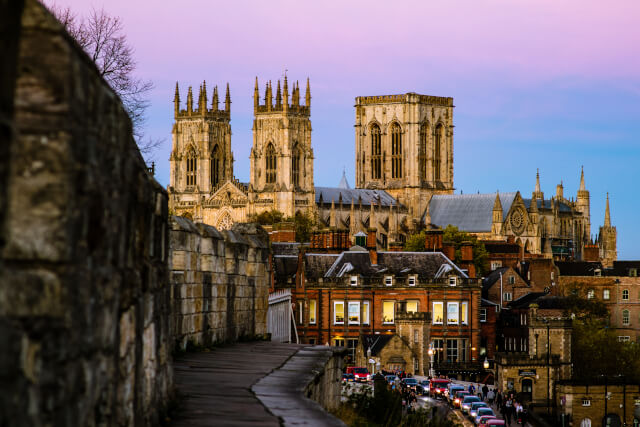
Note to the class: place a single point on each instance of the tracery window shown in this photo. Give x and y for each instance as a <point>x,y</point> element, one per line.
<point>422,151</point>
<point>295,165</point>
<point>270,166</point>
<point>396,151</point>
<point>437,152</point>
<point>216,176</point>
<point>192,163</point>
<point>376,152</point>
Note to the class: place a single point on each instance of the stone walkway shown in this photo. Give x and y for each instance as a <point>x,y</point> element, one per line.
<point>215,388</point>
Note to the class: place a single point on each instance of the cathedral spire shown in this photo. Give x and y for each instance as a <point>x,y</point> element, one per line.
<point>268,99</point>
<point>227,100</point>
<point>214,103</point>
<point>539,194</point>
<point>582,186</point>
<point>285,89</point>
<point>278,96</point>
<point>607,214</point>
<point>176,101</point>
<point>497,209</point>
<point>307,96</point>
<point>203,109</point>
<point>190,101</point>
<point>256,97</point>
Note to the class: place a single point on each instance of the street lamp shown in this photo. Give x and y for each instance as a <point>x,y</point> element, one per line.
<point>369,360</point>
<point>430,352</point>
<point>485,365</point>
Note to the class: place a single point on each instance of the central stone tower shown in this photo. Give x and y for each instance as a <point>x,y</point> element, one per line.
<point>404,145</point>
<point>281,156</point>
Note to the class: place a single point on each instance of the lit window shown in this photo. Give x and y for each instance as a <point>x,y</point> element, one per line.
<point>388,280</point>
<point>507,296</point>
<point>312,312</point>
<point>591,294</point>
<point>412,280</point>
<point>388,311</point>
<point>452,313</point>
<point>483,314</point>
<point>354,313</point>
<point>606,294</point>
<point>365,312</point>
<point>338,312</point>
<point>353,281</point>
<point>453,280</point>
<point>412,306</point>
<point>463,312</point>
<point>625,294</point>
<point>437,313</point>
<point>625,317</point>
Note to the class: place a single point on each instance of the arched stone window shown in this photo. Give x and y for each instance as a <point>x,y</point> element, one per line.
<point>192,167</point>
<point>376,152</point>
<point>437,152</point>
<point>216,170</point>
<point>422,151</point>
<point>396,151</point>
<point>296,156</point>
<point>270,166</point>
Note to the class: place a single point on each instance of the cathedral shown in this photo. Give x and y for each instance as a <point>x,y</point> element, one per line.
<point>404,175</point>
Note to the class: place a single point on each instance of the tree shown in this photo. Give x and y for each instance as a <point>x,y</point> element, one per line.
<point>102,37</point>
<point>303,223</point>
<point>415,243</point>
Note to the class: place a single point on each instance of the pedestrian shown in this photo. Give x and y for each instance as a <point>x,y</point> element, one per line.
<point>485,391</point>
<point>491,396</point>
<point>471,390</point>
<point>508,407</point>
<point>499,399</point>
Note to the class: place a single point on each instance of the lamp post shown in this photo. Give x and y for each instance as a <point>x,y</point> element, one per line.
<point>430,353</point>
<point>369,360</point>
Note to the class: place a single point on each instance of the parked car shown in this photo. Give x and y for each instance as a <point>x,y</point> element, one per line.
<point>483,418</point>
<point>459,396</point>
<point>361,374</point>
<point>423,387</point>
<point>490,422</point>
<point>437,387</point>
<point>348,378</point>
<point>473,409</point>
<point>483,412</point>
<point>465,405</point>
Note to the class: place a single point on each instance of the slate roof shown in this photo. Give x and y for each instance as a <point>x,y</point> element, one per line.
<point>375,342</point>
<point>493,277</point>
<point>577,268</point>
<point>427,265</point>
<point>468,212</point>
<point>525,300</point>
<point>380,197</point>
<point>474,212</point>
<point>285,267</point>
<point>621,268</point>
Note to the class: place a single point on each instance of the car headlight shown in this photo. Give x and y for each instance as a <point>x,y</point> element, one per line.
<point>457,400</point>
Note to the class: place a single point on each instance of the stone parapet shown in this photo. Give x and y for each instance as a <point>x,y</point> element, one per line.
<point>219,282</point>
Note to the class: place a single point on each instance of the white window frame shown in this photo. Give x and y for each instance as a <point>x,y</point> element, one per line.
<point>412,280</point>
<point>353,280</point>
<point>625,295</point>
<point>457,319</point>
<point>441,304</point>
<point>335,304</point>
<point>628,319</point>
<point>353,304</point>
<point>507,296</point>
<point>388,280</point>
<point>365,312</point>
<point>313,307</point>
<point>624,338</point>
<point>393,319</point>
<point>586,402</point>
<point>464,313</point>
<point>591,294</point>
<point>453,280</point>
<point>496,265</point>
<point>301,312</point>
<point>606,294</point>
<point>483,315</point>
<point>512,280</point>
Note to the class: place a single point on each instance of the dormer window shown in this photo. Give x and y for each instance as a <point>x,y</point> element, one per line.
<point>453,280</point>
<point>586,402</point>
<point>412,280</point>
<point>353,280</point>
<point>597,272</point>
<point>512,280</point>
<point>388,280</point>
<point>633,272</point>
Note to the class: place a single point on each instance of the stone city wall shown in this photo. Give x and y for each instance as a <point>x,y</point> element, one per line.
<point>84,295</point>
<point>219,282</point>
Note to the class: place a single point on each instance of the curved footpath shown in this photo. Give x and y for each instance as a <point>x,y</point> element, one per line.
<point>258,383</point>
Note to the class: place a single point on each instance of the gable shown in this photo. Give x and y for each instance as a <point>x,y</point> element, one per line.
<point>227,195</point>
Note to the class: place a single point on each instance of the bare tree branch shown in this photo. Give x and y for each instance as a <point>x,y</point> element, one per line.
<point>102,37</point>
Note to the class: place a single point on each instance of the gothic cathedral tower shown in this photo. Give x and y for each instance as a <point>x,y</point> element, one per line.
<point>404,145</point>
<point>607,239</point>
<point>281,156</point>
<point>201,158</point>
